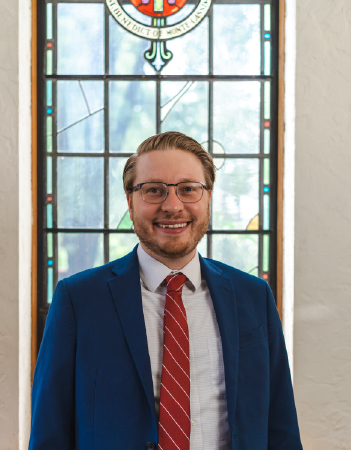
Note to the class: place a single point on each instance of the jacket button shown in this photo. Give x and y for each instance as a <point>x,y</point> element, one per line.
<point>151,446</point>
<point>235,436</point>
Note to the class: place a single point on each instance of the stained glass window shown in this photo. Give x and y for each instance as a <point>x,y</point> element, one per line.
<point>111,77</point>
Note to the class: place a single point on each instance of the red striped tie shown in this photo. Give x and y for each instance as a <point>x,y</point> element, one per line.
<point>174,422</point>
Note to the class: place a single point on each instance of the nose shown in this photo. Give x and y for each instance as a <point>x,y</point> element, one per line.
<point>172,203</point>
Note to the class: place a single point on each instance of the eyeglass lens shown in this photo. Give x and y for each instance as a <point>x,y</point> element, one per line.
<point>188,192</point>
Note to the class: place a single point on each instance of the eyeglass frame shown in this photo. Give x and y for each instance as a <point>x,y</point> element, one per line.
<point>139,186</point>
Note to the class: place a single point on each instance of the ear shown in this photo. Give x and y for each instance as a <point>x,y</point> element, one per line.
<point>130,204</point>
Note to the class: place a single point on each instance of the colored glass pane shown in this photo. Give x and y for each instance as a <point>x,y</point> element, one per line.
<point>49,93</point>
<point>80,194</point>
<point>49,245</point>
<point>80,38</point>
<point>182,106</point>
<point>49,174</point>
<point>267,17</point>
<point>240,251</point>
<point>50,262</point>
<point>266,171</point>
<point>265,253</point>
<point>49,21</point>
<point>266,141</point>
<point>119,214</point>
<point>78,252</point>
<point>266,211</point>
<point>49,61</point>
<point>49,215</point>
<point>49,134</point>
<point>236,115</point>
<point>50,285</point>
<point>236,194</point>
<point>49,110</point>
<point>267,58</point>
<point>236,39</point>
<point>267,100</point>
<point>132,114</point>
<point>121,244</point>
<point>267,36</point>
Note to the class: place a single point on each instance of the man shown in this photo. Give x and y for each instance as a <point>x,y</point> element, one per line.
<point>163,348</point>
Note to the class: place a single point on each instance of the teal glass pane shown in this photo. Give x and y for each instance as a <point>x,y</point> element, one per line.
<point>50,284</point>
<point>267,141</point>
<point>267,17</point>
<point>236,39</point>
<point>49,215</point>
<point>80,192</point>
<point>132,113</point>
<point>78,252</point>
<point>235,200</point>
<point>266,171</point>
<point>49,245</point>
<point>267,100</point>
<point>265,253</point>
<point>236,116</point>
<point>49,93</point>
<point>202,247</point>
<point>80,38</point>
<point>239,251</point>
<point>266,212</point>
<point>80,116</point>
<point>49,134</point>
<point>267,58</point>
<point>190,52</point>
<point>49,61</point>
<point>49,175</point>
<point>119,214</point>
<point>49,21</point>
<point>122,244</point>
<point>183,105</point>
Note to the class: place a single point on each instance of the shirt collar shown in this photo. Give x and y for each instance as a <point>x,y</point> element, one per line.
<point>153,272</point>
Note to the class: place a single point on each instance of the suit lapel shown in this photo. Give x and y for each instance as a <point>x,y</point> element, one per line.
<point>223,298</point>
<point>126,292</point>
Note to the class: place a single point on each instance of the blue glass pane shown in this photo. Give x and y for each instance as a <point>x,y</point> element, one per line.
<point>49,93</point>
<point>80,39</point>
<point>49,21</point>
<point>49,215</point>
<point>50,285</point>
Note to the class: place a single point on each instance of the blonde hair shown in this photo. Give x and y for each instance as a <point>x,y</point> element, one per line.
<point>167,141</point>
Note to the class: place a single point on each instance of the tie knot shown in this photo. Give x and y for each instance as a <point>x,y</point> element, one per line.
<point>175,282</point>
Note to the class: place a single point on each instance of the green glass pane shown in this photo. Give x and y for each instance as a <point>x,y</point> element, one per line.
<point>235,200</point>
<point>49,93</point>
<point>119,214</point>
<point>78,252</point>
<point>49,134</point>
<point>49,215</point>
<point>183,105</point>
<point>49,21</point>
<point>80,38</point>
<point>266,212</point>
<point>49,56</point>
<point>122,244</point>
<point>267,58</point>
<point>267,100</point>
<point>266,171</point>
<point>236,39</point>
<point>49,175</point>
<point>80,192</point>
<point>50,286</point>
<point>50,245</point>
<point>236,116</point>
<point>267,17</point>
<point>239,251</point>
<point>265,256</point>
<point>267,141</point>
<point>132,114</point>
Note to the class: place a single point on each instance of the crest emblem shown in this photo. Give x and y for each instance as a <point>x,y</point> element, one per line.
<point>159,31</point>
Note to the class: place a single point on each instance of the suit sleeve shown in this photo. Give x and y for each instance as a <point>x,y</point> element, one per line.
<point>53,405</point>
<point>283,429</point>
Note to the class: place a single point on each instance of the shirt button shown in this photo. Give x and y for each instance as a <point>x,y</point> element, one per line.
<point>193,423</point>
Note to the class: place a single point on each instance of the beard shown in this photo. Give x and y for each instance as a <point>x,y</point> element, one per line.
<point>176,246</point>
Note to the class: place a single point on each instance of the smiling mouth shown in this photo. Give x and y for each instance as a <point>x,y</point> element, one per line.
<point>176,225</point>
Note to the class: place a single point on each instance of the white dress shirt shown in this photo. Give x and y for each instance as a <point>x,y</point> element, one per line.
<point>208,406</point>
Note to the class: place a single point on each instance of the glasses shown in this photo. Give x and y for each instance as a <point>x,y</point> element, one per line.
<point>187,191</point>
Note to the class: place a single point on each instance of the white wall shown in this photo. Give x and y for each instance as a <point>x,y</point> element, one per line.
<point>322,346</point>
<point>15,223</point>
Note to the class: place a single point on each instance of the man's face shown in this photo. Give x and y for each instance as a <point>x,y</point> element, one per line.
<point>171,167</point>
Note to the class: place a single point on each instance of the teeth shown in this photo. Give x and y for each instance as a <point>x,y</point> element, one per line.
<point>177,225</point>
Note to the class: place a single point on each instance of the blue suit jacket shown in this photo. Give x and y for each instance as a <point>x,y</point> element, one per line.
<point>93,386</point>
